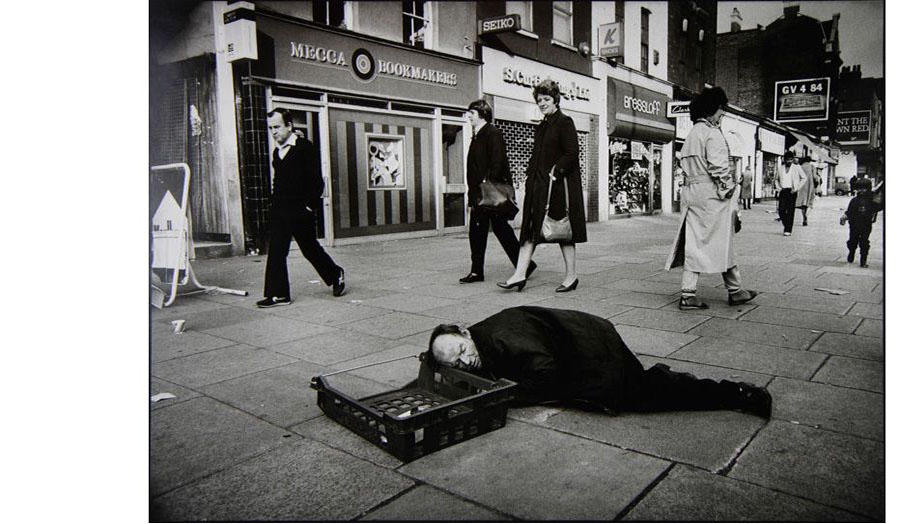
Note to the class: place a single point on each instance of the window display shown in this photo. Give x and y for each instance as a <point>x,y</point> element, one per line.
<point>634,186</point>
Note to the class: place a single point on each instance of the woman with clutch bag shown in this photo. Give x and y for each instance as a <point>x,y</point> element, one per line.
<point>553,199</point>
<point>705,239</point>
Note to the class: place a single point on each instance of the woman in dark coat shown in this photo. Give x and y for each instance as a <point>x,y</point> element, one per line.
<point>580,359</point>
<point>555,144</point>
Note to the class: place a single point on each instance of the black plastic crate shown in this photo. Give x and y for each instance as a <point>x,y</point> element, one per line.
<point>442,407</point>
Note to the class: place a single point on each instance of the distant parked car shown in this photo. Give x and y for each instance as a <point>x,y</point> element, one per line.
<point>841,186</point>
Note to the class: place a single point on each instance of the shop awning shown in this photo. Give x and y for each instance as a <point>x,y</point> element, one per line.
<point>816,150</point>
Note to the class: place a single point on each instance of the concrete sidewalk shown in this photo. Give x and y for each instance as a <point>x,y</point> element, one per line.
<point>244,440</point>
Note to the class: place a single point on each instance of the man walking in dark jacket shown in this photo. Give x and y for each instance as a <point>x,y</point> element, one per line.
<point>296,192</point>
<point>578,358</point>
<point>486,160</point>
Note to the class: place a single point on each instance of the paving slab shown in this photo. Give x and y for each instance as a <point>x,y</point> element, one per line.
<point>469,311</point>
<point>166,345</point>
<point>281,395</point>
<point>768,334</point>
<point>852,373</point>
<point>871,328</point>
<point>652,341</point>
<point>586,305</point>
<point>748,356</point>
<point>645,286</point>
<point>225,316</point>
<point>405,283</point>
<point>394,325</point>
<point>646,300</point>
<point>217,365</point>
<point>333,347</point>
<point>183,307</point>
<point>440,292</point>
<point>801,319</point>
<point>862,309</point>
<point>302,481</point>
<point>839,281</point>
<point>162,386</point>
<point>691,495</point>
<point>269,331</point>
<point>705,371</point>
<point>331,312</point>
<point>824,304</point>
<point>537,415</point>
<point>396,374</point>
<point>425,503</point>
<point>200,436</point>
<point>656,319</point>
<point>843,410</point>
<point>856,346</point>
<point>498,470</point>
<point>410,303</point>
<point>809,290</point>
<point>707,439</point>
<point>332,434</point>
<point>829,468</point>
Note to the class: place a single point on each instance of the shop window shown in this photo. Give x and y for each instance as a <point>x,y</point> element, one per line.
<point>562,22</point>
<point>634,178</point>
<point>523,9</point>
<point>330,12</point>
<point>417,23</point>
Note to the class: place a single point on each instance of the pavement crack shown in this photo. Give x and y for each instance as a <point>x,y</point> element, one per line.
<point>646,491</point>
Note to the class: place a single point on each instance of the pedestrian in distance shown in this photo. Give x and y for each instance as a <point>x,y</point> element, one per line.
<point>296,192</point>
<point>861,214</point>
<point>578,359</point>
<point>806,195</point>
<point>554,160</point>
<point>787,184</point>
<point>705,239</point>
<point>853,182</point>
<point>747,187</point>
<point>486,161</point>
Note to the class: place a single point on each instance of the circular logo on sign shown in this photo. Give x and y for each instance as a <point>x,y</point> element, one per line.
<point>363,64</point>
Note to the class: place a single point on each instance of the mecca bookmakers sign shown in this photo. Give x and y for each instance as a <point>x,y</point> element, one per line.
<point>802,100</point>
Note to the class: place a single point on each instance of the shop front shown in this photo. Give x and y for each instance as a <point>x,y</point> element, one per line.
<point>639,145</point>
<point>508,84</point>
<point>771,145</point>
<point>683,126</point>
<point>740,135</point>
<point>388,120</point>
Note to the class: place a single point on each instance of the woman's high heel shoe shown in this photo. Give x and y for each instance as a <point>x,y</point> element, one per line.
<point>518,285</point>
<point>566,289</point>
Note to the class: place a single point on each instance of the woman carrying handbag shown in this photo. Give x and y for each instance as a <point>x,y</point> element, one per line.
<point>552,188</point>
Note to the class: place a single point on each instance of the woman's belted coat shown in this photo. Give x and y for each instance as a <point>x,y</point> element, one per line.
<point>555,144</point>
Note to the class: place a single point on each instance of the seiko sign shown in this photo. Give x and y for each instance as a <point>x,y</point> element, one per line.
<point>499,24</point>
<point>569,91</point>
<point>641,106</point>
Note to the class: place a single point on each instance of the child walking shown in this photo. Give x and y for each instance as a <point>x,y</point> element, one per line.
<point>861,213</point>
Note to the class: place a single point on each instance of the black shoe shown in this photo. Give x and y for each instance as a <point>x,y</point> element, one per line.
<point>689,303</point>
<point>518,285</point>
<point>741,297</point>
<point>851,256</point>
<point>862,260</point>
<point>471,277</point>
<point>566,289</point>
<point>531,267</point>
<point>754,400</point>
<point>804,223</point>
<point>337,289</point>
<point>274,301</point>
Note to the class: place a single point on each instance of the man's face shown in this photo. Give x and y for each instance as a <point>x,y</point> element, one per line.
<point>717,116</point>
<point>456,351</point>
<point>280,131</point>
<point>474,118</point>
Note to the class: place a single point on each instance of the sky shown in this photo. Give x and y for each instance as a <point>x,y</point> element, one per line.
<point>861,26</point>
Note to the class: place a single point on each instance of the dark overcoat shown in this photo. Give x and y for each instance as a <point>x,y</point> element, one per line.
<point>555,144</point>
<point>557,354</point>
<point>486,160</point>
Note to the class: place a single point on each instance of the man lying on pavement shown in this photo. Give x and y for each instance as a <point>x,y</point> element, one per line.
<point>580,359</point>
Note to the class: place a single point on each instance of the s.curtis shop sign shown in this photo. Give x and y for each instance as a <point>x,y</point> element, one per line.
<point>365,67</point>
<point>570,91</point>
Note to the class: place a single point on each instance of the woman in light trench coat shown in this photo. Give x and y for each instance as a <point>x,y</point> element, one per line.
<point>705,239</point>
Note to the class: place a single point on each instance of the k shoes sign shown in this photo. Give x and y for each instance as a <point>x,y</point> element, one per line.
<point>802,100</point>
<point>853,127</point>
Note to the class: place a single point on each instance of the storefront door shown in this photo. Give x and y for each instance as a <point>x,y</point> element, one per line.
<point>455,136</point>
<point>308,124</point>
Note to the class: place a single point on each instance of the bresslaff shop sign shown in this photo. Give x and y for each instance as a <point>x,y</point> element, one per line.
<point>802,100</point>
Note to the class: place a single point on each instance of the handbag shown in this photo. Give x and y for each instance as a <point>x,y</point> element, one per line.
<point>736,220</point>
<point>498,198</point>
<point>553,230</point>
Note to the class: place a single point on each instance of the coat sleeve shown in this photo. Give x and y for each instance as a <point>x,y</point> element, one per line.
<point>497,160</point>
<point>568,142</point>
<point>534,370</point>
<point>717,161</point>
